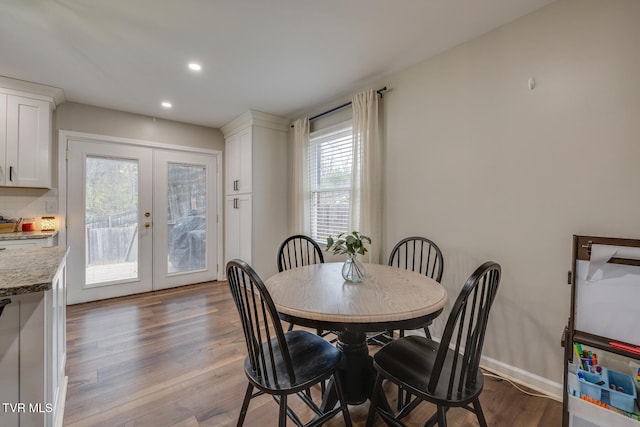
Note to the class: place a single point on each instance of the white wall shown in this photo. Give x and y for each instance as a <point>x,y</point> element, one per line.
<point>491,170</point>
<point>89,119</point>
<point>494,171</point>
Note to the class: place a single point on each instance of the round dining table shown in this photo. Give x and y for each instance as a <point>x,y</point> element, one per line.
<point>388,298</point>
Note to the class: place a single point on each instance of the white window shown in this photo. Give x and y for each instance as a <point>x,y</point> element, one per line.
<point>330,158</point>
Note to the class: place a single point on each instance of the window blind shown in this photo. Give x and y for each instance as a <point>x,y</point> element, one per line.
<point>330,158</point>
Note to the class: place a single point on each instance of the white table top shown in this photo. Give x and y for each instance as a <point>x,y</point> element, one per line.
<point>387,294</point>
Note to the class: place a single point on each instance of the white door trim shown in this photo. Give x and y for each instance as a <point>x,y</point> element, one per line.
<point>63,138</point>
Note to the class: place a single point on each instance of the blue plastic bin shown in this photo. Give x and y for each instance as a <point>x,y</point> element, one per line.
<point>624,399</point>
<point>588,383</point>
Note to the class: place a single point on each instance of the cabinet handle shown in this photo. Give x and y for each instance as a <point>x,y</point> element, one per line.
<point>3,303</point>
<point>10,173</point>
<point>236,185</point>
<point>235,203</point>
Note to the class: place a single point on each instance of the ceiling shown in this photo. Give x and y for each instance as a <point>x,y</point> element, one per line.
<point>284,57</point>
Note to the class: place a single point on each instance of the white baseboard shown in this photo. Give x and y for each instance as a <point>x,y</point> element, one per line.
<point>535,382</point>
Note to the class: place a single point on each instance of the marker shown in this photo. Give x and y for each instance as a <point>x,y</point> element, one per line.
<point>576,351</point>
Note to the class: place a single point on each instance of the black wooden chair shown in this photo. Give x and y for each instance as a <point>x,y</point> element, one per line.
<point>279,363</point>
<point>420,255</point>
<point>417,254</point>
<point>296,251</point>
<point>446,373</point>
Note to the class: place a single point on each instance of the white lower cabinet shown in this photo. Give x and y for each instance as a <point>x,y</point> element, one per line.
<point>33,357</point>
<point>9,361</point>
<point>238,228</point>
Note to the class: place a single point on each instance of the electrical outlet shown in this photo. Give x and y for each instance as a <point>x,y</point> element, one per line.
<point>51,206</point>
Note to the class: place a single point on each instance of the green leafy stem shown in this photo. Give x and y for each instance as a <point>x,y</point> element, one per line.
<point>348,243</point>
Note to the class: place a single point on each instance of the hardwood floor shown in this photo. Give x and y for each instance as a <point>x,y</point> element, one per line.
<point>175,358</point>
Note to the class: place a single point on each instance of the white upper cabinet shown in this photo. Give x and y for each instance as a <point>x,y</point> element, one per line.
<point>239,163</point>
<point>25,141</point>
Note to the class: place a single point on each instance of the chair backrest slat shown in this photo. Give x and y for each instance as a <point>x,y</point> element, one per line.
<point>266,344</point>
<point>298,250</point>
<point>465,330</point>
<point>418,254</point>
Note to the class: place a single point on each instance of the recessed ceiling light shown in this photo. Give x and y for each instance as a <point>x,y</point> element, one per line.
<point>166,104</point>
<point>195,66</point>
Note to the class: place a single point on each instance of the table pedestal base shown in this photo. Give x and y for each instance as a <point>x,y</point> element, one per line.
<point>357,372</point>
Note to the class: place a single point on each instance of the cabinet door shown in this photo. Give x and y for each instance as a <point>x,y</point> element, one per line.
<point>10,362</point>
<point>55,355</point>
<point>232,163</point>
<point>28,161</point>
<point>238,228</point>
<point>238,163</point>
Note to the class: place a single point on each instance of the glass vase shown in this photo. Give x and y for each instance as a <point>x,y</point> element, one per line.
<point>353,269</point>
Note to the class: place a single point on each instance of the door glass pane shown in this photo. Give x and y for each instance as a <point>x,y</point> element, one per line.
<point>111,219</point>
<point>186,217</point>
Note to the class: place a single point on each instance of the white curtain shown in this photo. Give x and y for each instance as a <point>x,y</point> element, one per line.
<point>366,185</point>
<point>300,196</point>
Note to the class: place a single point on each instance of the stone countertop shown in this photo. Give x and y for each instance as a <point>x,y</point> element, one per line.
<point>23,271</point>
<point>24,235</point>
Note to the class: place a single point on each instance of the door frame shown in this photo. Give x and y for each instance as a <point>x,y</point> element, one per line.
<point>63,138</point>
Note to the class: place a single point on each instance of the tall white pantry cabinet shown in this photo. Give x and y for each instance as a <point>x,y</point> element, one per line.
<point>256,205</point>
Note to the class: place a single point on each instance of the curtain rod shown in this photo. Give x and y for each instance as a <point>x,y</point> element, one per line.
<point>340,107</point>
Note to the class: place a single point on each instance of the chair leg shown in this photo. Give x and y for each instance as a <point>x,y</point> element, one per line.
<point>245,404</point>
<point>375,396</point>
<point>441,415</point>
<point>478,411</point>
<point>404,397</point>
<point>282,417</point>
<point>341,398</point>
<point>427,333</point>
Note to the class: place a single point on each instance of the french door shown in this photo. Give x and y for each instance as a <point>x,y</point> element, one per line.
<point>138,219</point>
